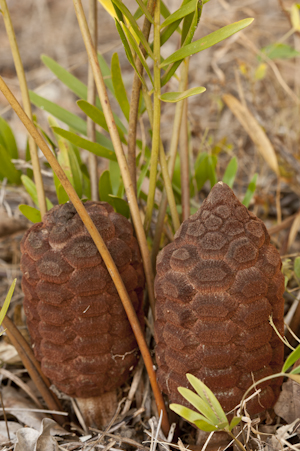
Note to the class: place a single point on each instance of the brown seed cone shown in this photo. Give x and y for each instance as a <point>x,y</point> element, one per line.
<point>217,285</point>
<point>77,323</point>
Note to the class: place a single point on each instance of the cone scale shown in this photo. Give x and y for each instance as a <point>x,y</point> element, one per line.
<point>217,285</point>
<point>78,326</point>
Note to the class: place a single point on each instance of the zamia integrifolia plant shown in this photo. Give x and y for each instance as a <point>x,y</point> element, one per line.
<point>144,159</point>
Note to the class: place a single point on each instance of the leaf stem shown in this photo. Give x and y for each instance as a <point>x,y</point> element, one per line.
<point>134,101</point>
<point>156,119</point>
<point>113,131</point>
<point>171,163</point>
<point>267,378</point>
<point>26,103</point>
<point>184,163</point>
<point>91,98</point>
<point>164,167</point>
<point>105,254</point>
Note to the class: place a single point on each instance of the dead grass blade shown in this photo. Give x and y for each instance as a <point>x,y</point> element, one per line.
<point>33,367</point>
<point>254,130</point>
<point>283,225</point>
<point>22,385</point>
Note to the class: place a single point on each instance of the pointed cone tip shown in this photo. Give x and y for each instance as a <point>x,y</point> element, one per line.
<point>221,193</point>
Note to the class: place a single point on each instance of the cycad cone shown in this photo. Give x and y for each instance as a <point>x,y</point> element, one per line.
<point>217,285</point>
<point>78,326</point>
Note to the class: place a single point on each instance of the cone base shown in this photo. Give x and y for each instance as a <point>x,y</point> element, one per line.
<point>98,411</point>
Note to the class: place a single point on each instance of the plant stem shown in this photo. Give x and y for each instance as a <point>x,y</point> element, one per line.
<point>184,164</point>
<point>107,258</point>
<point>239,444</point>
<point>171,164</point>
<point>156,119</point>
<point>91,98</point>
<point>26,103</point>
<point>132,201</point>
<point>164,167</point>
<point>134,101</point>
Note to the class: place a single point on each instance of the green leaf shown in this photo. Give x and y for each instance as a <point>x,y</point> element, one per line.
<point>77,153</point>
<point>295,370</point>
<point>31,213</point>
<point>51,143</point>
<point>7,139</point>
<point>279,51</point>
<point>230,172</point>
<point>137,50</point>
<point>68,160</point>
<point>105,188</point>
<point>128,51</point>
<point>205,170</point>
<point>206,394</point>
<point>121,189</point>
<point>173,97</point>
<point>68,79</point>
<point>29,171</point>
<point>186,413</point>
<point>176,179</point>
<point>190,23</point>
<point>79,88</point>
<point>115,176</point>
<point>95,148</point>
<point>183,11</point>
<point>135,26</point>
<point>170,29</point>
<point>74,167</point>
<point>61,194</point>
<point>234,422</point>
<point>168,32</point>
<point>30,187</point>
<point>120,91</point>
<point>297,267</point>
<point>145,10</point>
<point>142,177</point>
<point>118,12</point>
<point>86,183</point>
<point>106,73</point>
<point>292,358</point>
<point>250,191</point>
<point>120,205</point>
<point>98,117</point>
<point>205,426</point>
<point>67,118</point>
<point>189,27</point>
<point>7,168</point>
<point>201,171</point>
<point>60,113</point>
<point>201,405</point>
<point>207,41</point>
<point>125,44</point>
<point>286,281</point>
<point>7,301</point>
<point>164,10</point>
<point>138,13</point>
